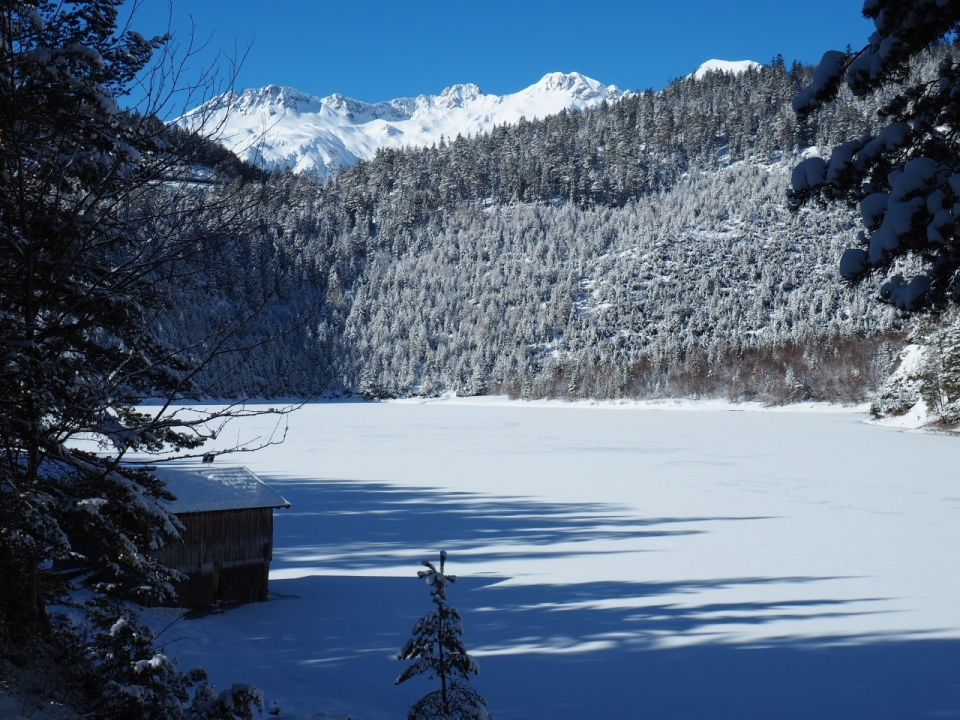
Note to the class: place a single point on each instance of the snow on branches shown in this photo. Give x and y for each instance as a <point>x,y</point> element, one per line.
<point>436,648</point>
<point>906,177</point>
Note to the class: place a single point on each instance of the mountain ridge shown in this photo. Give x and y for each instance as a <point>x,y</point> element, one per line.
<point>281,127</point>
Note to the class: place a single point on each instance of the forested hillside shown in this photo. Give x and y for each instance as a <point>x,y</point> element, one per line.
<point>642,248</point>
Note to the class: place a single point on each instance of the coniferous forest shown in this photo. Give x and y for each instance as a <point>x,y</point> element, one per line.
<point>640,249</point>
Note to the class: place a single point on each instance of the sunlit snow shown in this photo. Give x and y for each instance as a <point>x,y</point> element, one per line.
<point>728,66</point>
<point>281,127</point>
<point>669,560</point>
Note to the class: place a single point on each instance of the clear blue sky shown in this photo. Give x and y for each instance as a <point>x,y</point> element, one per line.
<point>377,50</point>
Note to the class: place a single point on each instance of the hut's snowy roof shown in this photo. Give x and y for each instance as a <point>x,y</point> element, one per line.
<point>202,488</point>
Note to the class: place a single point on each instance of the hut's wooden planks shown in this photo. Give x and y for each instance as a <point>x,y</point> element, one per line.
<point>225,554</point>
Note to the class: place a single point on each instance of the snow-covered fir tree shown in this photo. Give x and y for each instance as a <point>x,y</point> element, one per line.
<point>437,648</point>
<point>926,379</point>
<point>130,676</point>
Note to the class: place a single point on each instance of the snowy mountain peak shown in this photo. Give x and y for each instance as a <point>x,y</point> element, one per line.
<point>276,96</point>
<point>566,81</point>
<point>580,87</point>
<point>457,95</point>
<point>728,66</point>
<point>277,126</point>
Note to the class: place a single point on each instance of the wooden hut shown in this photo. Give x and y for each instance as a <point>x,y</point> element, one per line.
<point>227,536</point>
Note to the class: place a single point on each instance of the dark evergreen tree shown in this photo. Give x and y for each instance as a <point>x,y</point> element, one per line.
<point>109,237</point>
<point>70,314</point>
<point>103,229</point>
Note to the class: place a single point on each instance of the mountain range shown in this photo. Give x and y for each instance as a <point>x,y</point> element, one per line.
<point>279,127</point>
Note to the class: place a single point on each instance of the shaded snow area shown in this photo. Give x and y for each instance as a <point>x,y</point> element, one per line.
<point>280,127</point>
<point>616,561</point>
<point>33,707</point>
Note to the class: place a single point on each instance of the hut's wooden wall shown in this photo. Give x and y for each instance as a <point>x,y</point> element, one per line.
<point>226,555</point>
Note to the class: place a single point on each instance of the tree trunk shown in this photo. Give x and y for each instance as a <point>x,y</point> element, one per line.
<point>23,603</point>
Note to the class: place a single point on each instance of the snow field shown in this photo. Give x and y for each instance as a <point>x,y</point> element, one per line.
<point>675,560</point>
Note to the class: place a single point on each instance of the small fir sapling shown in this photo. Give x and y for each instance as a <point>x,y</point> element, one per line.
<point>436,647</point>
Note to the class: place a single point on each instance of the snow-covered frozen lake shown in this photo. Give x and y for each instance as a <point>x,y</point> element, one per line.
<point>615,561</point>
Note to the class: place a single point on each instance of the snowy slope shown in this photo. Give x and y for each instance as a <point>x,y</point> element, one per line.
<point>727,66</point>
<point>281,127</point>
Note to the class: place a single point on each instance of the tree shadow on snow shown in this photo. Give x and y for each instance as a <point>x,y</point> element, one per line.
<point>557,652</point>
<point>364,525</point>
<point>590,650</point>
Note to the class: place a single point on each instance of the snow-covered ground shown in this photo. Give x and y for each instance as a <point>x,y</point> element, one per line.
<point>616,561</point>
